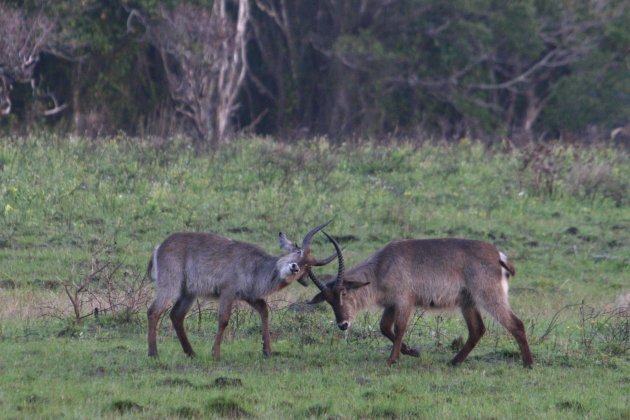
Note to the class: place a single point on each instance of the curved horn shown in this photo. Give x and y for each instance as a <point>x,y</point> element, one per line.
<point>321,286</point>
<point>338,250</point>
<point>307,239</point>
<point>325,261</point>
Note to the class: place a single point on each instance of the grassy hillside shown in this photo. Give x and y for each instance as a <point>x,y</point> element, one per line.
<point>79,221</point>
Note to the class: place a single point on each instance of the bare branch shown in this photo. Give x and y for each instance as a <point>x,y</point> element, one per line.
<point>203,55</point>
<point>22,40</point>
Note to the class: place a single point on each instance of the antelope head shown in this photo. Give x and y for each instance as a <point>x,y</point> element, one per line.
<point>339,293</point>
<point>299,259</point>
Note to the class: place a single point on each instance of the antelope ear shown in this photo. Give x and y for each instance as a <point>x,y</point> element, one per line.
<point>319,298</point>
<point>355,284</point>
<point>285,244</point>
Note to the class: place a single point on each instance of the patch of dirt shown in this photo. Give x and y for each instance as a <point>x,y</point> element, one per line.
<point>186,412</point>
<point>125,406</point>
<point>571,406</point>
<point>226,407</point>
<point>222,382</point>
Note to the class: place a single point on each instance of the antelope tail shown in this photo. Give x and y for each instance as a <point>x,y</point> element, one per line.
<point>150,268</point>
<point>152,271</point>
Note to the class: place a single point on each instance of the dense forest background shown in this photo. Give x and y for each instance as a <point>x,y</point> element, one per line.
<point>488,69</point>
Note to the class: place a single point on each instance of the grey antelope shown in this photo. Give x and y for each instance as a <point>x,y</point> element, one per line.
<point>187,265</point>
<point>432,274</point>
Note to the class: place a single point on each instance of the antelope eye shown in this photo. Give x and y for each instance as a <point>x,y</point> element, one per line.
<point>343,293</point>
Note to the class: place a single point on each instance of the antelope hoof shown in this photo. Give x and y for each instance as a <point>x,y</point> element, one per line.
<point>266,354</point>
<point>411,352</point>
<point>391,361</point>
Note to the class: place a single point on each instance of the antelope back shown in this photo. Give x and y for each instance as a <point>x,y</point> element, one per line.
<point>434,272</point>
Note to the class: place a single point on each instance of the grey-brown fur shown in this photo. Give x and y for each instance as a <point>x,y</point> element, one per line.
<point>433,274</point>
<point>190,265</point>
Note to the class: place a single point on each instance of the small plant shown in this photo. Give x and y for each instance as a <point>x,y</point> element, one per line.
<point>596,179</point>
<point>100,286</point>
<point>541,169</point>
<point>607,330</point>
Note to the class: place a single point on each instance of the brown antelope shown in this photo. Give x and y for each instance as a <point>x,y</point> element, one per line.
<point>432,274</point>
<point>188,265</point>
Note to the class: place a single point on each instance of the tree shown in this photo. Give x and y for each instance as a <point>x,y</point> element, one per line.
<point>23,38</point>
<point>483,68</point>
<point>203,56</point>
<point>486,66</point>
<point>525,69</point>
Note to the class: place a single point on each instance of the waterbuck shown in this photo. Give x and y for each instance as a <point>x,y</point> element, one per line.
<point>190,265</point>
<point>432,274</point>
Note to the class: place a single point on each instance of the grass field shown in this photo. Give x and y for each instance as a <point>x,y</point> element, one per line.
<point>79,219</point>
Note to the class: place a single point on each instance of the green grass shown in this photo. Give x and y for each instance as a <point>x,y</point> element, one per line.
<point>67,205</point>
<point>101,378</point>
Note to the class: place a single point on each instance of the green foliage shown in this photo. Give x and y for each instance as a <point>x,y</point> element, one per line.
<point>595,95</point>
<point>515,28</point>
